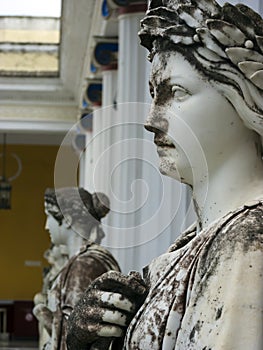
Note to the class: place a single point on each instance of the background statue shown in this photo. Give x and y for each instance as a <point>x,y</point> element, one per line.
<point>73,219</point>
<point>57,257</point>
<point>206,82</point>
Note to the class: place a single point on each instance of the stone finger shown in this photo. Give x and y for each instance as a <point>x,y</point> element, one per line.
<point>110,300</point>
<point>114,317</point>
<point>110,331</point>
<point>117,300</point>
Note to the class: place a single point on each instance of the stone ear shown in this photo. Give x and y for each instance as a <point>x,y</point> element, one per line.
<point>67,220</point>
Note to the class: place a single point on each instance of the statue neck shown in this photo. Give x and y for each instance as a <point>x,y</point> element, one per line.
<point>74,243</point>
<point>59,263</point>
<point>237,180</point>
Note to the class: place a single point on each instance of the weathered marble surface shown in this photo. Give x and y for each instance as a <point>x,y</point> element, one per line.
<point>91,262</point>
<point>105,310</point>
<point>203,287</point>
<point>57,257</point>
<point>73,220</point>
<point>207,120</point>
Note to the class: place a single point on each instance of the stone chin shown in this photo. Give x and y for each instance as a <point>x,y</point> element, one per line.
<point>168,167</point>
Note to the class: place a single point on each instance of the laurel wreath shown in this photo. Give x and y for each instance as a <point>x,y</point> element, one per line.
<point>233,33</point>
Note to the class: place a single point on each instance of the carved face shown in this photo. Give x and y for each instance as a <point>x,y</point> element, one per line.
<point>194,125</point>
<point>54,229</point>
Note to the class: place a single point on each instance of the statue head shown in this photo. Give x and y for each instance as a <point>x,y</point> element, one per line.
<point>81,210</point>
<point>56,255</point>
<point>224,44</point>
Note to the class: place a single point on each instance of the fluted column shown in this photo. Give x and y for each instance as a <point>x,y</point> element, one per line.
<point>148,208</point>
<point>86,123</point>
<point>103,128</point>
<point>109,79</point>
<point>93,96</point>
<point>128,191</point>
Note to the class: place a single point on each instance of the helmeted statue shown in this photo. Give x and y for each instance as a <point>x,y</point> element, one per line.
<point>73,220</point>
<point>206,82</point>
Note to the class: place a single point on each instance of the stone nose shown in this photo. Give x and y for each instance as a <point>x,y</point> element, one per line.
<point>46,224</point>
<point>156,121</point>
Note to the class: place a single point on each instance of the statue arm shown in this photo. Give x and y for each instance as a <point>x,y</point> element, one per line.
<point>44,315</point>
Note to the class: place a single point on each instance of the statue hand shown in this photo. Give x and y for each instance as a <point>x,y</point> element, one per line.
<point>105,309</point>
<point>44,315</point>
<point>39,310</point>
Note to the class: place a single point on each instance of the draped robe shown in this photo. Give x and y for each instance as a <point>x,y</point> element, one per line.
<point>89,263</point>
<point>206,293</point>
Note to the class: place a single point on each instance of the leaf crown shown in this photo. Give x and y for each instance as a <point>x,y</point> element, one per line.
<point>229,33</point>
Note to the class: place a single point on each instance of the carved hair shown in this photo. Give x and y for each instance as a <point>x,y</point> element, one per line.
<point>84,208</point>
<point>224,43</point>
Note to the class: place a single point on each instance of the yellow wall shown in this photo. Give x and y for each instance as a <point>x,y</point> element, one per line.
<point>22,234</point>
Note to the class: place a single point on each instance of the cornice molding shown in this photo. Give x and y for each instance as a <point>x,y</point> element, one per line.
<point>53,99</point>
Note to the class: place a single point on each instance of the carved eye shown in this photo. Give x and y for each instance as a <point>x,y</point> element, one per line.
<point>151,89</point>
<point>180,93</point>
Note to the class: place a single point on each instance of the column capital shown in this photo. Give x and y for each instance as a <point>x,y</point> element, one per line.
<point>79,142</point>
<point>86,119</point>
<point>113,66</point>
<point>105,52</point>
<point>93,92</point>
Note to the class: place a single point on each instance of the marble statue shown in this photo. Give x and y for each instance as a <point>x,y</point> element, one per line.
<point>57,257</point>
<point>73,220</point>
<point>206,292</point>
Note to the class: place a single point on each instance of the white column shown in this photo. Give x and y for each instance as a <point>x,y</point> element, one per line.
<point>109,114</point>
<point>82,168</point>
<point>148,208</point>
<point>87,178</point>
<point>96,145</point>
<point>127,135</point>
